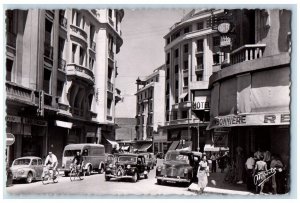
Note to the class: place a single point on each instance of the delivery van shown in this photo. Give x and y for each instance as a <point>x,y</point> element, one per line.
<point>93,157</point>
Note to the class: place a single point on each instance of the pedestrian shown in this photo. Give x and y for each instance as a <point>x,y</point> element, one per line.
<point>203,172</point>
<point>239,163</point>
<point>213,159</point>
<point>276,163</point>
<point>258,154</point>
<point>249,170</point>
<point>221,162</point>
<point>260,167</point>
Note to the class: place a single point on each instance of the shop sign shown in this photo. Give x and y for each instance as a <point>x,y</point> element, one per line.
<point>224,28</point>
<point>13,119</point>
<point>250,120</point>
<point>201,103</point>
<point>10,139</point>
<point>30,121</point>
<point>220,139</point>
<point>225,41</point>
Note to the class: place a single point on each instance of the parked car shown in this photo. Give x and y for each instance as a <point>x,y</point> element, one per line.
<point>27,168</point>
<point>178,167</point>
<point>127,166</point>
<point>93,156</point>
<point>150,160</point>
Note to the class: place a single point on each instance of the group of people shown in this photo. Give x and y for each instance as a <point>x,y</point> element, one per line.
<point>260,162</point>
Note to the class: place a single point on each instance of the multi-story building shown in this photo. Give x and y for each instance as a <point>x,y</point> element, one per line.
<point>60,77</point>
<point>150,106</point>
<point>191,52</point>
<point>251,94</point>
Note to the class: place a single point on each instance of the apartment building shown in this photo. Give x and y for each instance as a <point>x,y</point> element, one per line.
<point>150,107</point>
<point>60,74</point>
<point>191,52</point>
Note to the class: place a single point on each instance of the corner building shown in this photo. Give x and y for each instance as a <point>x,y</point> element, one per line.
<point>60,75</point>
<point>251,94</point>
<point>191,52</point>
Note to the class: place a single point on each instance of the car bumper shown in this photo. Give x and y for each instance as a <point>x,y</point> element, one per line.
<point>168,179</point>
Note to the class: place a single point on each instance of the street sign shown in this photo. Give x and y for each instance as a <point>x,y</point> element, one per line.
<point>10,139</point>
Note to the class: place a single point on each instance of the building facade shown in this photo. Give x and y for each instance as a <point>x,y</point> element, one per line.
<point>251,94</point>
<point>126,129</point>
<point>150,108</point>
<point>191,52</point>
<point>60,73</point>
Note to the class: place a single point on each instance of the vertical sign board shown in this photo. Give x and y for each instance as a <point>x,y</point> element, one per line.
<point>201,103</point>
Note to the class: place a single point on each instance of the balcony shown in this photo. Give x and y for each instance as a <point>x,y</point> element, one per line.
<point>77,112</point>
<point>11,39</point>
<point>61,64</point>
<point>247,52</point>
<point>185,105</point>
<point>81,72</point>
<point>111,22</point>
<point>63,107</point>
<point>110,86</point>
<point>184,121</point>
<point>111,55</point>
<point>63,22</point>
<point>78,33</point>
<point>47,99</point>
<point>19,93</point>
<point>199,68</point>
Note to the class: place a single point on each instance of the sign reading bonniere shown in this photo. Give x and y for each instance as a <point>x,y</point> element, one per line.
<point>263,176</point>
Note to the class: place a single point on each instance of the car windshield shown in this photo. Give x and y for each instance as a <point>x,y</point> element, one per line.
<point>71,152</point>
<point>177,157</point>
<point>21,162</point>
<point>127,158</point>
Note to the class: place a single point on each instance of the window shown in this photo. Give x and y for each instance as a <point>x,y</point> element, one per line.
<point>9,67</point>
<point>199,61</point>
<point>216,59</point>
<point>168,59</point>
<point>185,81</point>
<point>186,65</point>
<point>184,114</point>
<point>110,13</point>
<point>176,68</point>
<point>200,77</point>
<point>78,19</point>
<point>157,78</point>
<point>34,162</point>
<point>200,25</point>
<point>168,40</point>
<point>91,63</point>
<point>186,48</point>
<point>175,115</point>
<point>186,30</point>
<point>176,84</point>
<point>47,79</point>
<point>81,56</point>
<point>200,45</point>
<point>176,53</point>
<point>110,43</point>
<point>74,47</point>
<point>216,41</point>
<point>60,86</point>
<point>61,45</point>
<point>92,33</point>
<point>167,89</point>
<point>168,73</point>
<point>40,162</point>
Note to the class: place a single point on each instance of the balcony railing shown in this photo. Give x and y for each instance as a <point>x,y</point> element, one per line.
<point>17,92</point>
<point>182,121</point>
<point>111,54</point>
<point>80,71</point>
<point>247,52</point>
<point>110,86</point>
<point>63,21</point>
<point>111,22</point>
<point>11,39</point>
<point>199,68</point>
<point>61,64</point>
<point>79,31</point>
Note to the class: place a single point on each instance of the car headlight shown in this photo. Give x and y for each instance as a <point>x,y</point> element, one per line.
<point>21,172</point>
<point>186,170</point>
<point>128,166</point>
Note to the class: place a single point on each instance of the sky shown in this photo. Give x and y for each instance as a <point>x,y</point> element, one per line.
<point>142,50</point>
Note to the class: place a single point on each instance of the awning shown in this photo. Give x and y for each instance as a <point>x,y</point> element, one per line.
<point>174,145</point>
<point>113,143</point>
<point>183,95</point>
<point>63,124</point>
<point>145,147</point>
<point>212,148</point>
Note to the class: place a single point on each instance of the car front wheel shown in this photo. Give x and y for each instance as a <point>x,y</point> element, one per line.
<point>29,177</point>
<point>134,177</point>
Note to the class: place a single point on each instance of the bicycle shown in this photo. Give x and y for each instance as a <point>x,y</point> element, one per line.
<point>75,172</point>
<point>49,175</point>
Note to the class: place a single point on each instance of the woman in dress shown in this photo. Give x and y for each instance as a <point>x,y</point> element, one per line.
<point>202,174</point>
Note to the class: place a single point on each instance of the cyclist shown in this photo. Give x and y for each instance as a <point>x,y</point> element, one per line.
<point>78,160</point>
<point>51,161</point>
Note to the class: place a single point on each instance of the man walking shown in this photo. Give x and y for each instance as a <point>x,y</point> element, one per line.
<point>213,163</point>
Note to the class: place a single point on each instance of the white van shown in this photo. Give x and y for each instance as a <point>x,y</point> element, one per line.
<point>93,157</point>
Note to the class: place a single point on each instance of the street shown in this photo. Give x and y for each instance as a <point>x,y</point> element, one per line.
<point>96,185</point>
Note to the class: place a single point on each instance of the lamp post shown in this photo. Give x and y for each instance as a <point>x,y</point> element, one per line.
<point>198,128</point>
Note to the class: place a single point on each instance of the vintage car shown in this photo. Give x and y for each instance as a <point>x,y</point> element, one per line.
<point>27,168</point>
<point>178,167</point>
<point>150,160</point>
<point>125,165</point>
